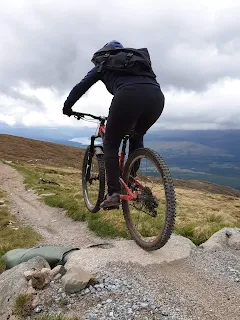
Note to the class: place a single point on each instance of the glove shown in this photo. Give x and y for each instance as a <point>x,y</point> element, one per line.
<point>67,110</point>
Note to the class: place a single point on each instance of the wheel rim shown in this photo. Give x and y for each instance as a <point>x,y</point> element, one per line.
<point>148,213</point>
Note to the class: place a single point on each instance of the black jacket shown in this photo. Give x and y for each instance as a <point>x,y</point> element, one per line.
<point>113,81</point>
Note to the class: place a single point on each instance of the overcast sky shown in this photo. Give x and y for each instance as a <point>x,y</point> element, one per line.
<point>46,48</point>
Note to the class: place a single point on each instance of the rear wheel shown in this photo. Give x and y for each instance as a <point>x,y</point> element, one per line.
<point>150,218</point>
<point>93,180</point>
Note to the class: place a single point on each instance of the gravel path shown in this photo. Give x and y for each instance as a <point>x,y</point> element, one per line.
<point>203,286</point>
<point>51,223</point>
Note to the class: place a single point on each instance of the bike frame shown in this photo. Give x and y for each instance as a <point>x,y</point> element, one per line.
<point>100,133</point>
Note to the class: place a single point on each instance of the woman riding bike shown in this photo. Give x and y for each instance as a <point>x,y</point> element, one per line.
<point>137,104</point>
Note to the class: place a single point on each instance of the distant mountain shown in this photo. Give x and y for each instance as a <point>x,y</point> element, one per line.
<point>47,133</point>
<point>207,155</point>
<point>228,140</point>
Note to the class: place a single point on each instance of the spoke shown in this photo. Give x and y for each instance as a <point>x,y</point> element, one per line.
<point>148,213</point>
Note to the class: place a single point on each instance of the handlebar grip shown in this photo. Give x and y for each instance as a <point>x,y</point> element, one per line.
<point>77,115</point>
<point>80,115</point>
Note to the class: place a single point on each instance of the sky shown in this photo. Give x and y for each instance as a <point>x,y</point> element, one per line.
<point>46,49</point>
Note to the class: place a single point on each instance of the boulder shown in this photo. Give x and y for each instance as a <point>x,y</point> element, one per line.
<point>93,258</point>
<point>75,279</point>
<point>13,283</point>
<point>223,239</point>
<point>30,291</point>
<point>234,240</point>
<point>28,274</point>
<point>46,271</point>
<point>57,277</point>
<point>40,280</point>
<point>35,302</point>
<point>57,270</point>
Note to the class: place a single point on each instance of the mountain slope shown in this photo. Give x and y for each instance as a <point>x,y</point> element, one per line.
<point>47,153</point>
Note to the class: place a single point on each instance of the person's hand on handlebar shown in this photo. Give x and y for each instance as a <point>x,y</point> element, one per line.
<point>67,111</point>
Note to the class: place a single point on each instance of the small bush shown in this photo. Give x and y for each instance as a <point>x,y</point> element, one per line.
<point>22,306</point>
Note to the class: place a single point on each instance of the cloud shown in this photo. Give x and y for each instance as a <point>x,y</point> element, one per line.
<point>215,108</point>
<point>47,47</point>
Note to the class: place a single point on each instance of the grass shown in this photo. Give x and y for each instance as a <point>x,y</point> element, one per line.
<point>199,213</point>
<point>69,197</point>
<point>22,307</point>
<point>12,234</point>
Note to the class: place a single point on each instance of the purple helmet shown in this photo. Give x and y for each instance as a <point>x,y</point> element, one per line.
<point>114,43</point>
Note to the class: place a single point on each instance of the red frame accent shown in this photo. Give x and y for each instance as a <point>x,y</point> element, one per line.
<point>130,195</point>
<point>101,130</point>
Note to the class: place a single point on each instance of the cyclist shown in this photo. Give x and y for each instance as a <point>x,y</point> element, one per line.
<point>137,103</point>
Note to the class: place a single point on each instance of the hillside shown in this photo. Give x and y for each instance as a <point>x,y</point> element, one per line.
<point>29,150</point>
<point>203,155</point>
<point>26,150</point>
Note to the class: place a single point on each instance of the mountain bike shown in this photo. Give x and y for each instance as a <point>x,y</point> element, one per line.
<point>147,196</point>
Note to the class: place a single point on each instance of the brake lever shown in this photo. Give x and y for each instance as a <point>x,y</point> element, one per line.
<point>77,115</point>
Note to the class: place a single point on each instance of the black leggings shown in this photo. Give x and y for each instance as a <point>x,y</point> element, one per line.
<point>135,106</point>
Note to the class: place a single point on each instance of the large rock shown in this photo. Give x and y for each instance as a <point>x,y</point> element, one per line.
<point>40,280</point>
<point>13,283</point>
<point>91,259</point>
<point>223,239</point>
<point>75,279</point>
<point>58,270</point>
<point>234,241</point>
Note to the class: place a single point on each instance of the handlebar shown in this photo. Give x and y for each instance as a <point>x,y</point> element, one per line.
<point>79,116</point>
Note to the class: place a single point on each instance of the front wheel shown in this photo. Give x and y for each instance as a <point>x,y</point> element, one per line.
<point>150,218</point>
<point>93,180</point>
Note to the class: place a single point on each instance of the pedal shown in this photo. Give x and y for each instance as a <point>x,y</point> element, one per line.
<point>111,208</point>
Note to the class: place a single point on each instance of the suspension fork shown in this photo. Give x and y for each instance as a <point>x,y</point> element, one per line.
<point>122,155</point>
<point>90,156</point>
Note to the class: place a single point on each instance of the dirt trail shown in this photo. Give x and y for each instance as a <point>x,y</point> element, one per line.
<point>201,286</point>
<point>51,223</point>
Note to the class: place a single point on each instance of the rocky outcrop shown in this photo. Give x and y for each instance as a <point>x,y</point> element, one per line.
<point>13,283</point>
<point>40,278</point>
<point>223,239</point>
<point>76,279</point>
<point>91,259</point>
